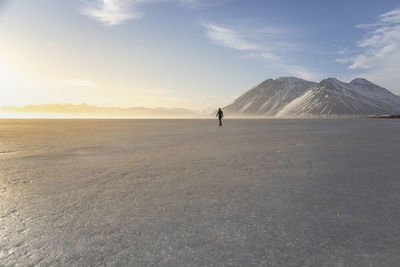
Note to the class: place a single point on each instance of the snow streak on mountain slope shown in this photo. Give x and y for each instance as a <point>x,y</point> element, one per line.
<point>270,96</point>
<point>332,97</point>
<point>293,97</point>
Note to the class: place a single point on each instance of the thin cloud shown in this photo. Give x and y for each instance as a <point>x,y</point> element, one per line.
<point>85,83</point>
<point>155,92</point>
<point>391,17</point>
<point>115,12</point>
<point>342,60</point>
<point>381,44</point>
<point>112,12</point>
<point>241,41</point>
<point>343,51</point>
<point>380,56</point>
<point>265,39</point>
<point>263,56</point>
<point>229,37</point>
<point>343,55</point>
<point>303,73</point>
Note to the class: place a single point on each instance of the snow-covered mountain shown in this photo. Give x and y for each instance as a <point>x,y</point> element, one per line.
<point>270,96</point>
<point>294,97</point>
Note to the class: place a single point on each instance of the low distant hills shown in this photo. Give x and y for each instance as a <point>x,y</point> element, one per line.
<point>285,97</point>
<point>84,110</point>
<point>295,97</point>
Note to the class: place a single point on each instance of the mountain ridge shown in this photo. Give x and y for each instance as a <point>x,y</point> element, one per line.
<point>269,96</point>
<point>85,110</point>
<point>296,97</point>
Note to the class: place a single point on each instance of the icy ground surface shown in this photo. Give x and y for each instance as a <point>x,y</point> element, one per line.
<point>185,192</point>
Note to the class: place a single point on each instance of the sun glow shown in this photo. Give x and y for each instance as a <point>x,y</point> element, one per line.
<point>15,88</point>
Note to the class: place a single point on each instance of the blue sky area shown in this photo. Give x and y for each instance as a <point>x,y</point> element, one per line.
<point>188,53</point>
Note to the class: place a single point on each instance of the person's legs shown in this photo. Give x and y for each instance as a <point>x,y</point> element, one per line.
<point>220,121</point>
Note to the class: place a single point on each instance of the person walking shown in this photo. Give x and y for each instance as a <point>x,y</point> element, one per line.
<point>220,115</point>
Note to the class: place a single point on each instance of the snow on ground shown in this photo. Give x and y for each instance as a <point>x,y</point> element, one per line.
<point>186,192</point>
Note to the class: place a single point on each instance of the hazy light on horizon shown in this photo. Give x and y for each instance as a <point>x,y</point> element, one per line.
<point>186,53</point>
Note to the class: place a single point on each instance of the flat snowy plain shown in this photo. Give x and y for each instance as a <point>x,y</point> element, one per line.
<point>186,192</point>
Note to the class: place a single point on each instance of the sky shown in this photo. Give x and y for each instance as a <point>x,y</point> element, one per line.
<point>195,54</point>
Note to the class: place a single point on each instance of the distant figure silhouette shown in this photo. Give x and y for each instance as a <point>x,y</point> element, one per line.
<point>220,115</point>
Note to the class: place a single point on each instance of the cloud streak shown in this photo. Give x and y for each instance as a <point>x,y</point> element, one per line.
<point>303,72</point>
<point>112,12</point>
<point>380,56</point>
<point>229,37</point>
<point>115,12</point>
<point>270,52</point>
<point>84,83</point>
<point>381,43</point>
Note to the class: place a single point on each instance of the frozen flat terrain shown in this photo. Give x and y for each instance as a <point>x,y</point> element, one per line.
<point>186,192</point>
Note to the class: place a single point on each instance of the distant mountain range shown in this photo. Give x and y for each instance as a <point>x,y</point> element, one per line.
<point>285,97</point>
<point>295,97</point>
<point>84,110</point>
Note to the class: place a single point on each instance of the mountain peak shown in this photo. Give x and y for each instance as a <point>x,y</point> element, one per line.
<point>290,78</point>
<point>291,96</point>
<point>360,81</point>
<point>331,79</point>
<point>331,83</point>
<point>270,96</point>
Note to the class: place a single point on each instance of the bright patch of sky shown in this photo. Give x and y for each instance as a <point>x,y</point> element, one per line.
<point>188,53</point>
